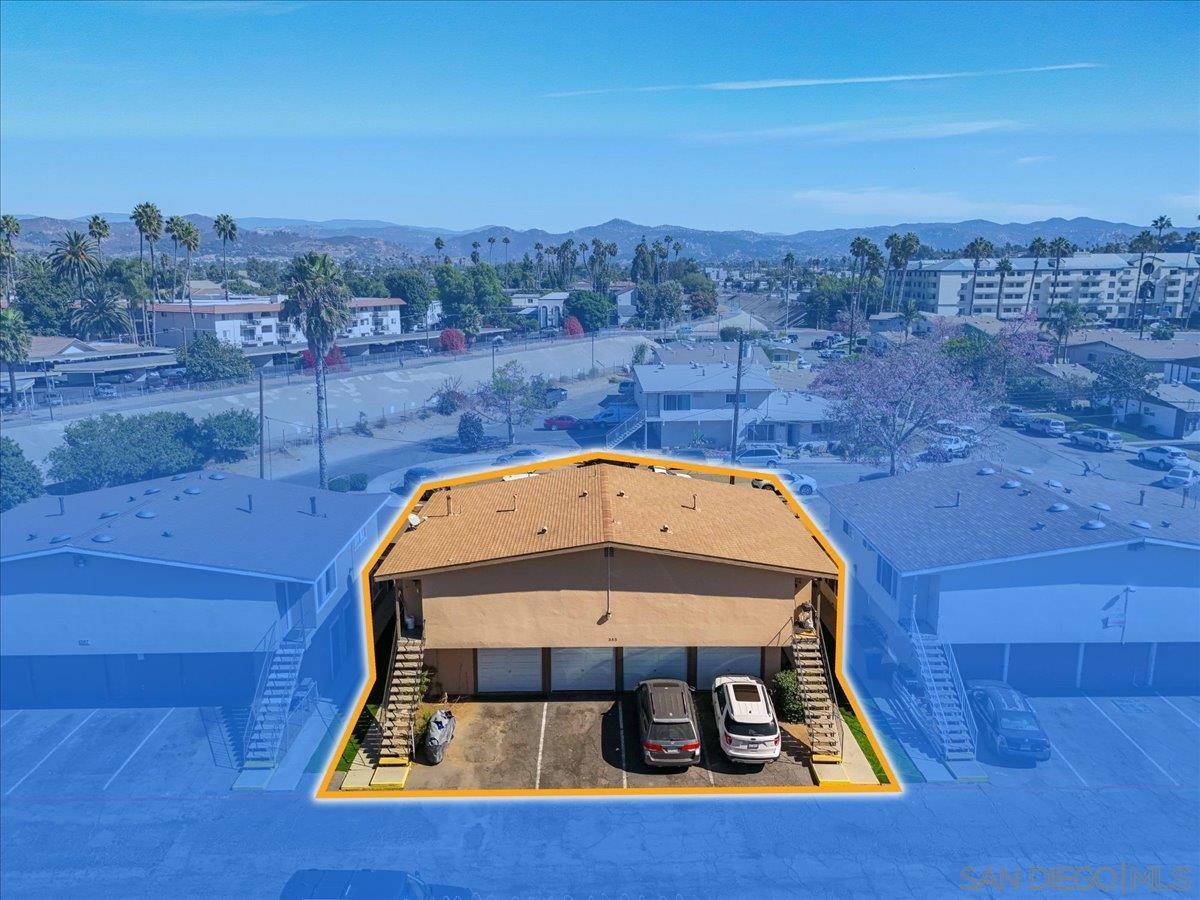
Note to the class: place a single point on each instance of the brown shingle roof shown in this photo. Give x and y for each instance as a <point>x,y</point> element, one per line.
<point>580,506</point>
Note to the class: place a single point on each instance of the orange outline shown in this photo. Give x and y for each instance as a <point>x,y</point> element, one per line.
<point>323,792</point>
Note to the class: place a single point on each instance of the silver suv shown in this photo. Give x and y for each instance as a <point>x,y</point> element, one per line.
<point>1097,439</point>
<point>669,727</point>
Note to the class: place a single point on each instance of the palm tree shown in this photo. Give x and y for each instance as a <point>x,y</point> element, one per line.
<point>1065,317</point>
<point>789,263</point>
<point>189,237</point>
<point>174,229</point>
<point>10,227</point>
<point>1161,224</point>
<point>14,344</point>
<point>491,244</point>
<point>1142,244</point>
<point>979,250</point>
<point>1059,247</point>
<point>226,229</point>
<point>100,315</point>
<point>98,231</point>
<point>73,259</point>
<point>1038,248</point>
<point>149,222</point>
<point>317,303</point>
<point>1004,268</point>
<point>506,241</point>
<point>910,315</point>
<point>537,249</point>
<point>475,251</point>
<point>439,245</point>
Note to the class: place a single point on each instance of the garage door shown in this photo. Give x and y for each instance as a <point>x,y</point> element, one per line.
<point>653,662</point>
<point>714,661</point>
<point>583,669</point>
<point>510,671</point>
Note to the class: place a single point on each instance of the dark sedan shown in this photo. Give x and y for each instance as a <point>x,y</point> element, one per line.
<point>1007,722</point>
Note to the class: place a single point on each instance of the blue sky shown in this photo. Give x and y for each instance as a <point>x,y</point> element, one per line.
<point>772,117</point>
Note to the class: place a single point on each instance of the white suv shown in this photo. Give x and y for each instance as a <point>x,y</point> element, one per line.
<point>1163,457</point>
<point>746,720</point>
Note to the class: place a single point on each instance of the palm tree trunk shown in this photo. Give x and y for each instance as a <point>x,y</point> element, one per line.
<point>224,270</point>
<point>971,300</point>
<point>322,418</point>
<point>153,294</point>
<point>999,295</point>
<point>1137,300</point>
<point>187,280</point>
<point>1032,280</point>
<point>12,384</point>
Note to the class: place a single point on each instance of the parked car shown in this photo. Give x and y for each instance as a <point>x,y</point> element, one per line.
<point>498,340</point>
<point>1046,426</point>
<point>555,396</point>
<point>412,478</point>
<point>1180,476</point>
<point>947,445</point>
<point>1097,439</point>
<point>105,391</point>
<point>1007,723</point>
<point>548,332</point>
<point>1015,416</point>
<point>420,350</point>
<point>759,457</point>
<point>1163,457</point>
<point>611,415</point>
<point>625,388</point>
<point>54,400</point>
<point>668,723</point>
<point>519,456</point>
<point>803,364</point>
<point>796,483</point>
<point>562,423</point>
<point>745,719</point>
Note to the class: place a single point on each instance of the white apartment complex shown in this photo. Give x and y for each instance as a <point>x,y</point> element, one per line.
<point>1103,283</point>
<point>254,321</point>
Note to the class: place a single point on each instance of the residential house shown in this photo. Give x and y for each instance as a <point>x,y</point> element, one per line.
<point>1171,410</point>
<point>688,405</point>
<point>1177,359</point>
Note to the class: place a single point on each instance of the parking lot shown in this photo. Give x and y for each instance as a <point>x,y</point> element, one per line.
<point>1102,742</point>
<point>583,743</point>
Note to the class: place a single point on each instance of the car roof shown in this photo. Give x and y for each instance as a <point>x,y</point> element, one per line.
<point>1006,697</point>
<point>668,698</point>
<point>750,711</point>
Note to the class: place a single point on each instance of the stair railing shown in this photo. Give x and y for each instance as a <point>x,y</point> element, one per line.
<point>385,724</point>
<point>267,646</point>
<point>968,716</point>
<point>827,669</point>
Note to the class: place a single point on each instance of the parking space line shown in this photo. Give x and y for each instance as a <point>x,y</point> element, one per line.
<point>10,718</point>
<point>621,732</point>
<point>537,779</point>
<point>1129,737</point>
<point>1074,771</point>
<point>707,767</point>
<point>66,738</point>
<point>142,744</point>
<point>1178,710</point>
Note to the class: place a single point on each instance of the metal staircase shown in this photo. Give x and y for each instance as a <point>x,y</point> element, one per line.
<point>620,432</point>
<point>944,713</point>
<point>269,714</point>
<point>402,693</point>
<point>817,694</point>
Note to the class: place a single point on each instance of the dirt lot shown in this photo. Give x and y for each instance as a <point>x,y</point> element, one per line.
<point>571,743</point>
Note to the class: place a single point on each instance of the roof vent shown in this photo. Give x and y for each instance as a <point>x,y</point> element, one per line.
<point>104,538</point>
<point>59,538</point>
<point>1025,470</point>
<point>1140,523</point>
<point>145,514</point>
<point>109,514</point>
<point>1052,483</point>
<point>414,520</point>
<point>217,476</point>
<point>582,494</point>
<point>620,493</point>
<point>1057,507</point>
<point>1101,505</point>
<point>986,471</point>
<point>543,530</point>
<point>1094,524</point>
<point>152,490</point>
<point>1011,483</point>
<point>665,529</point>
<point>168,533</point>
<point>182,476</point>
<point>193,490</point>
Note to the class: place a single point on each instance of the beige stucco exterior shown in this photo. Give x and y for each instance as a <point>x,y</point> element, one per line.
<point>654,600</point>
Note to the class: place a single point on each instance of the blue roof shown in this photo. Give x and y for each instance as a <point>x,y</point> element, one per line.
<point>212,520</point>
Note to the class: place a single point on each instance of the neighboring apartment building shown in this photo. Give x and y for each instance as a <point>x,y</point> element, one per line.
<point>1053,584</point>
<point>1171,410</point>
<point>688,405</point>
<point>1103,283</point>
<point>192,590</point>
<point>252,321</point>
<point>545,308</point>
<point>1177,360</point>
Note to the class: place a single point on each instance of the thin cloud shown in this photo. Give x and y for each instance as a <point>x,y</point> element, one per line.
<point>880,204</point>
<point>1031,160</point>
<point>854,132</point>
<point>777,83</point>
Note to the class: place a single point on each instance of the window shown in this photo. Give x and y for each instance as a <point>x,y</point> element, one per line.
<point>360,537</point>
<point>735,398</point>
<point>885,575</point>
<point>328,580</point>
<point>677,401</point>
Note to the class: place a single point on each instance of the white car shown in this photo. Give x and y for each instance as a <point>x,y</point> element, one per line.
<point>794,481</point>
<point>949,445</point>
<point>1180,476</point>
<point>1163,457</point>
<point>745,718</point>
<point>759,457</point>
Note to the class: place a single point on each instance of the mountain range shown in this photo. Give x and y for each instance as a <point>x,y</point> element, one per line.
<point>369,239</point>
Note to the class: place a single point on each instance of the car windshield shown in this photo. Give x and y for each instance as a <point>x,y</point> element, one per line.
<point>672,731</point>
<point>1018,721</point>
<point>749,729</point>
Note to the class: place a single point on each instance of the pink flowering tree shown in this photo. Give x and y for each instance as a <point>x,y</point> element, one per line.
<point>884,407</point>
<point>992,361</point>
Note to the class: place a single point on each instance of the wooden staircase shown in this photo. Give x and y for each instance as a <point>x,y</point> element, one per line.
<point>402,693</point>
<point>821,715</point>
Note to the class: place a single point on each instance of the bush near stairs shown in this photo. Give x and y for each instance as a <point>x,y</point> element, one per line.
<point>788,704</point>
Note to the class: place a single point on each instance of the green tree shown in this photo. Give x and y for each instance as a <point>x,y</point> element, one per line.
<point>227,230</point>
<point>100,315</point>
<point>593,310</point>
<point>174,229</point>
<point>98,231</point>
<point>978,250</point>
<point>20,479</point>
<point>207,358</point>
<point>411,286</point>
<point>10,227</point>
<point>44,301</point>
<point>1004,268</point>
<point>470,431</point>
<point>14,344</point>
<point>1059,248</point>
<point>1065,317</point>
<point>317,302</point>
<point>73,258</point>
<point>189,238</point>
<point>1142,244</point>
<point>224,436</point>
<point>1038,248</point>
<point>1121,379</point>
<point>149,222</point>
<point>102,451</point>
<point>658,304</point>
<point>508,397</point>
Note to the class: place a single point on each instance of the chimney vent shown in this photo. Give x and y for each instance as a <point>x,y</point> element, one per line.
<point>312,504</point>
<point>250,504</point>
<point>543,530</point>
<point>62,506</point>
<point>957,498</point>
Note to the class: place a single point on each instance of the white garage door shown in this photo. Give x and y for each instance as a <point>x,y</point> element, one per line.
<point>714,661</point>
<point>516,671</point>
<point>583,669</point>
<point>653,662</point>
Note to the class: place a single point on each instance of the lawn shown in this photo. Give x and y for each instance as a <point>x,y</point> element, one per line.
<point>365,722</point>
<point>856,728</point>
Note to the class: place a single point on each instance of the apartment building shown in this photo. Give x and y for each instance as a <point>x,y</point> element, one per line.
<point>1103,283</point>
<point>544,308</point>
<point>249,320</point>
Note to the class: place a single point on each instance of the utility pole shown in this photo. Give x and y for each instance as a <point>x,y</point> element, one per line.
<point>737,399</point>
<point>262,435</point>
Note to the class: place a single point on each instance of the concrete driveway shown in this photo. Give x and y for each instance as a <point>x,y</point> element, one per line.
<point>586,742</point>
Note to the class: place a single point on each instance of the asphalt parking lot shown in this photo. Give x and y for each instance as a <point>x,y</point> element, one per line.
<point>1150,741</point>
<point>582,743</point>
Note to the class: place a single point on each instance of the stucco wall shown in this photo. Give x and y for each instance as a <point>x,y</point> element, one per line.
<point>560,601</point>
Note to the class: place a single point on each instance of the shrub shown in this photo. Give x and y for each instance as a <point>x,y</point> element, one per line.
<point>362,426</point>
<point>224,436</point>
<point>1162,332</point>
<point>207,358</point>
<point>452,340</point>
<point>334,359</point>
<point>786,689</point>
<point>470,431</point>
<point>572,328</point>
<point>344,483</point>
<point>20,479</point>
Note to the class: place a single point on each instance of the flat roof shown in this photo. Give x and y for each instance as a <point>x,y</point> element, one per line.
<point>604,504</point>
